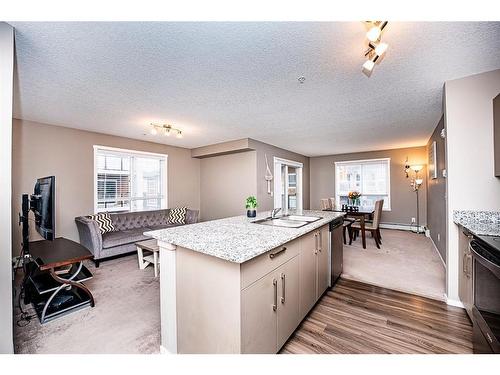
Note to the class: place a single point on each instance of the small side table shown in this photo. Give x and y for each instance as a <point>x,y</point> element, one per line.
<point>154,258</point>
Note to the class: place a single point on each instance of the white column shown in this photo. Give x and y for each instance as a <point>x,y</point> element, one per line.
<point>6,78</point>
<point>168,298</point>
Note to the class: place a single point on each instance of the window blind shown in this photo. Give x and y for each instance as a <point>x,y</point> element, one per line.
<point>128,181</point>
<point>369,177</point>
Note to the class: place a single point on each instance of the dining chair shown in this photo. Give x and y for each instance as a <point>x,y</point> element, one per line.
<point>332,203</point>
<point>347,227</point>
<point>373,227</point>
<point>325,204</point>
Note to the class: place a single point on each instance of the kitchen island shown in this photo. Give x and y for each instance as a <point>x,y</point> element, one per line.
<point>234,286</point>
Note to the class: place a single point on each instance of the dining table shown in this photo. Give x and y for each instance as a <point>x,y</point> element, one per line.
<point>361,213</point>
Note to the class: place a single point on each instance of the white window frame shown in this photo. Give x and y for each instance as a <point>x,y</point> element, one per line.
<point>387,204</point>
<point>278,162</point>
<point>131,152</point>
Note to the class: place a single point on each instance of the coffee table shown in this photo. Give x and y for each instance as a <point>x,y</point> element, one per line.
<point>150,246</point>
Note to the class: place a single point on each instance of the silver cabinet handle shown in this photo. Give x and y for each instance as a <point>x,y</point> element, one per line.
<point>316,243</point>
<point>275,285</point>
<point>283,290</point>
<point>464,266</point>
<point>320,241</point>
<point>276,253</point>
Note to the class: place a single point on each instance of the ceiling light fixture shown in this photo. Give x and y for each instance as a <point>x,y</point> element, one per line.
<point>165,129</point>
<point>376,49</point>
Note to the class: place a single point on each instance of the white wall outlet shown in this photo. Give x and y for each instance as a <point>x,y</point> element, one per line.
<point>444,173</point>
<point>413,220</point>
<point>439,237</point>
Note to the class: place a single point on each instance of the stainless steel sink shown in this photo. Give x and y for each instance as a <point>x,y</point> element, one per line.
<point>278,222</point>
<point>287,221</point>
<point>309,219</point>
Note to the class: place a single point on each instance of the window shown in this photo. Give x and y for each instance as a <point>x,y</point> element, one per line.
<point>370,177</point>
<point>128,180</point>
<point>287,184</point>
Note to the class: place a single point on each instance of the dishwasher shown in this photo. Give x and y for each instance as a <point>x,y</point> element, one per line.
<point>337,248</point>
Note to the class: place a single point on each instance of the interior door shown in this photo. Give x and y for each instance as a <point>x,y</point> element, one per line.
<point>288,302</point>
<point>259,308</point>
<point>322,261</point>
<point>308,278</point>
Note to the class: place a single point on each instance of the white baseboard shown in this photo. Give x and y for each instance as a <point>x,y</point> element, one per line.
<point>400,227</point>
<point>454,302</point>
<point>438,253</point>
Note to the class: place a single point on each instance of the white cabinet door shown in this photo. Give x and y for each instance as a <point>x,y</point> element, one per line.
<point>322,262</point>
<point>259,304</point>
<point>288,301</point>
<point>307,273</point>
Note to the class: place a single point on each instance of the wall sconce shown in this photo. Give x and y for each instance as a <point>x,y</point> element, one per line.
<point>417,168</point>
<point>268,177</point>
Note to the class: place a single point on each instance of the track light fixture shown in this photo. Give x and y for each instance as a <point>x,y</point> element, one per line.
<point>376,49</point>
<point>165,129</point>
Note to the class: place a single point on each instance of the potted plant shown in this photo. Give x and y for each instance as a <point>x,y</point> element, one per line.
<point>354,197</point>
<point>251,205</point>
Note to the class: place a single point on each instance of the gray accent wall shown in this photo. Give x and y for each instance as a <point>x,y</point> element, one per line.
<point>40,150</point>
<point>436,193</point>
<point>403,199</point>
<point>234,170</point>
<point>266,201</point>
<point>226,182</point>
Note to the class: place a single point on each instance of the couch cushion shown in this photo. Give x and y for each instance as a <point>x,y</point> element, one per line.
<point>139,219</point>
<point>103,221</point>
<point>123,237</point>
<point>177,215</point>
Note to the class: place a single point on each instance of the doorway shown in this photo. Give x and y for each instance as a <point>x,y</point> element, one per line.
<point>287,184</point>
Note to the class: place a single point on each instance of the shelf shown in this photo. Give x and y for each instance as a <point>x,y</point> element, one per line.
<point>44,283</point>
<point>76,300</point>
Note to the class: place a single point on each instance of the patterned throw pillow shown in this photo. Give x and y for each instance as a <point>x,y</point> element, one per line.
<point>177,215</point>
<point>103,221</point>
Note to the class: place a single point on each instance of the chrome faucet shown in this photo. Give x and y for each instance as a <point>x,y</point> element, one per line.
<point>274,211</point>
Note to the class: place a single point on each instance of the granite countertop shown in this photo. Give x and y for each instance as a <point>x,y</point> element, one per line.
<point>237,239</point>
<point>486,223</point>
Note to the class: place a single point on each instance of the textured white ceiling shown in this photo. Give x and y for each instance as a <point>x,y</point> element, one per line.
<point>223,81</point>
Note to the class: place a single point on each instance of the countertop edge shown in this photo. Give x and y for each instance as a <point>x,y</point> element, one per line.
<point>240,260</point>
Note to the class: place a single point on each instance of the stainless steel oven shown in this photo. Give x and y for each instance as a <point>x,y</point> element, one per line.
<point>486,310</point>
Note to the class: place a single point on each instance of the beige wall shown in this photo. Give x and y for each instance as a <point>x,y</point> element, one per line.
<point>41,150</point>
<point>436,193</point>
<point>471,183</point>
<point>6,78</point>
<point>266,201</point>
<point>403,200</point>
<point>226,182</point>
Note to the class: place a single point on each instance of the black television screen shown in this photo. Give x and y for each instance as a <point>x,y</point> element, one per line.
<point>43,205</point>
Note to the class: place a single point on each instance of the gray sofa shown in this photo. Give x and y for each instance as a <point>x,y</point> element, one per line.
<point>129,229</point>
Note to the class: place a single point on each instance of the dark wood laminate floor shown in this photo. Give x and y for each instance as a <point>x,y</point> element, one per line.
<point>354,317</point>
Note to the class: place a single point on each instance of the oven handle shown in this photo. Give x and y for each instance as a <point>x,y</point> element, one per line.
<point>489,264</point>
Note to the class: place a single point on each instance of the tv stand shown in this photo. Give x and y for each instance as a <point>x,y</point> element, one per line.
<point>52,293</point>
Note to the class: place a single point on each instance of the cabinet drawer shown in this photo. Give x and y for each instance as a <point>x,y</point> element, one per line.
<point>255,268</point>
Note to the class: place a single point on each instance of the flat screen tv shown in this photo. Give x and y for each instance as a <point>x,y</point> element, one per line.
<point>43,206</point>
